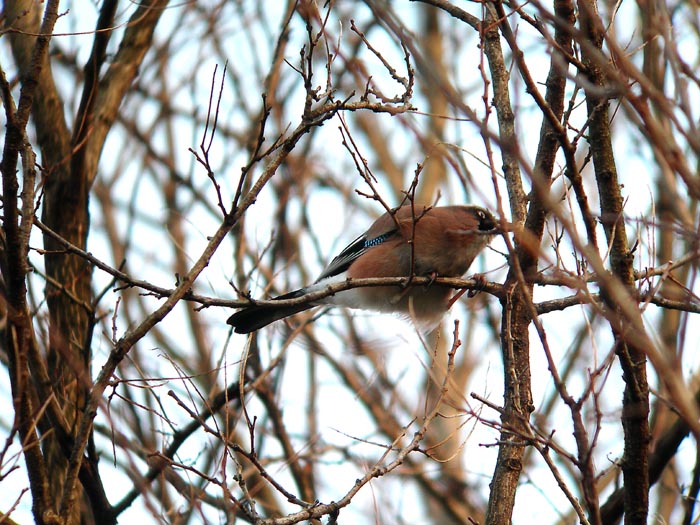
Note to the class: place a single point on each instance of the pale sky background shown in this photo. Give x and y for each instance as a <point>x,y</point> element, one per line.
<point>341,417</point>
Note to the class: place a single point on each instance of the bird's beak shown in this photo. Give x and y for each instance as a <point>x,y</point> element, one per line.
<point>504,226</point>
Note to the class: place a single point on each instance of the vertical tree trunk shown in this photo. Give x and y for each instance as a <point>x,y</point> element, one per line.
<point>635,410</point>
<point>65,211</point>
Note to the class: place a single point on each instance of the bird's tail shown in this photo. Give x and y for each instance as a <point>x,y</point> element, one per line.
<point>254,317</point>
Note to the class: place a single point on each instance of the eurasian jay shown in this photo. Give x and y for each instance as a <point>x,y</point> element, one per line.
<point>437,242</point>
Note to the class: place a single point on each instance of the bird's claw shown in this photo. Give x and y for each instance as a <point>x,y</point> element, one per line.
<point>479,286</point>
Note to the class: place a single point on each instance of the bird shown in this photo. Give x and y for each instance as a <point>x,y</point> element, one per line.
<point>439,241</point>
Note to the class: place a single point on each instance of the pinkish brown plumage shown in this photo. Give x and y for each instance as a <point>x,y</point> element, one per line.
<point>441,241</point>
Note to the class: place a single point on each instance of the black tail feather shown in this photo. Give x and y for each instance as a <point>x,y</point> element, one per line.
<point>254,317</point>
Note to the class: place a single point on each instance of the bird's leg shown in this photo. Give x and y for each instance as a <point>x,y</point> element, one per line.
<point>408,286</point>
<point>455,298</point>
<point>480,284</point>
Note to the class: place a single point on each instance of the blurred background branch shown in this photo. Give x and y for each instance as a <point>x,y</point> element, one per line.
<point>189,158</point>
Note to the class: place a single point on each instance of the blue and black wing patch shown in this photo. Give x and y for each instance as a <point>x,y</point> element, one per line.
<point>354,250</point>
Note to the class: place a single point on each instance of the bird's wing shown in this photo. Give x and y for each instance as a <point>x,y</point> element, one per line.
<point>351,252</point>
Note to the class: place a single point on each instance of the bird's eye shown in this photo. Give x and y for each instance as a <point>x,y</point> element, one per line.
<point>486,221</point>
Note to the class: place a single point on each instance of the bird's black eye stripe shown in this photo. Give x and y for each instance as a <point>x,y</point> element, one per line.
<point>486,221</point>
